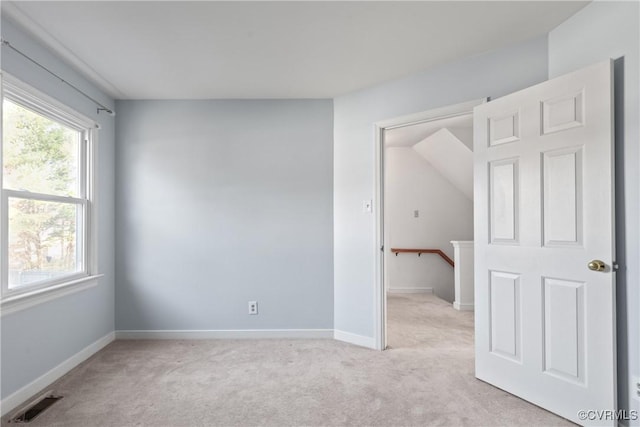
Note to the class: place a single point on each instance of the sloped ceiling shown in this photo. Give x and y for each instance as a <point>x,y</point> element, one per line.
<point>407,136</point>
<point>450,157</point>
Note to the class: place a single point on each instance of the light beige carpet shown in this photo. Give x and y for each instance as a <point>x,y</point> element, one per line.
<point>425,379</point>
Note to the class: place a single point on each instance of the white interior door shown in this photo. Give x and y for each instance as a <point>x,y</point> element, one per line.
<point>543,169</point>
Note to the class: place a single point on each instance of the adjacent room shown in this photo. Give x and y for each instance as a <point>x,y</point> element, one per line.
<point>428,227</point>
<point>242,213</point>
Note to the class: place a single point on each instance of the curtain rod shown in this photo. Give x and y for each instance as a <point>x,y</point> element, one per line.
<point>101,107</point>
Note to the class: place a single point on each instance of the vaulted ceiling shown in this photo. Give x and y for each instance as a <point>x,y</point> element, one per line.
<point>265,49</point>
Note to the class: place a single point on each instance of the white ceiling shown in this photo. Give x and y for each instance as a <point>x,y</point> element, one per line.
<point>265,49</point>
<point>451,158</point>
<point>408,136</point>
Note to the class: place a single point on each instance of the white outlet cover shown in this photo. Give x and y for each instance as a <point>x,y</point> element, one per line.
<point>367,206</point>
<point>253,307</point>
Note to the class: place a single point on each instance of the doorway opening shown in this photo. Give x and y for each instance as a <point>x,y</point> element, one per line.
<point>424,202</point>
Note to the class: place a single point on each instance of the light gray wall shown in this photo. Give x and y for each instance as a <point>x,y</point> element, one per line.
<point>600,31</point>
<point>219,203</point>
<point>37,339</point>
<point>489,75</point>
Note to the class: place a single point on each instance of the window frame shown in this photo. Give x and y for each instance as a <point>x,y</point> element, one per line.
<point>30,98</point>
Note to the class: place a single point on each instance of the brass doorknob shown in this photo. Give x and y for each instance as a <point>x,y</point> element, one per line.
<point>596,265</point>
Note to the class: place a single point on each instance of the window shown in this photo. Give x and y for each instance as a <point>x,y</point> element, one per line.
<point>46,192</point>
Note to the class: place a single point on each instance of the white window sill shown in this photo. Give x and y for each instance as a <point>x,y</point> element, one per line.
<point>13,303</point>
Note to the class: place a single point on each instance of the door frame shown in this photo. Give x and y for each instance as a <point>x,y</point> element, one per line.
<point>380,252</point>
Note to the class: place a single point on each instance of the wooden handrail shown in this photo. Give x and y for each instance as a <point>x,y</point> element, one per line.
<point>424,251</point>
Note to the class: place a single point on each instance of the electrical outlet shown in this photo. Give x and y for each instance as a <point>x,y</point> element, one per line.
<point>635,387</point>
<point>416,213</point>
<point>253,307</point>
<point>367,206</point>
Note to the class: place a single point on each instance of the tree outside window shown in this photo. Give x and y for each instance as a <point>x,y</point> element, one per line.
<point>42,166</point>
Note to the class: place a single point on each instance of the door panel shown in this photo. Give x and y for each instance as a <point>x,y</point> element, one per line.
<point>564,329</point>
<point>562,197</point>
<point>504,289</point>
<point>503,192</point>
<point>543,170</point>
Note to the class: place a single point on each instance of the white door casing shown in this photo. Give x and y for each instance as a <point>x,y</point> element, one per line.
<point>380,307</point>
<point>543,170</point>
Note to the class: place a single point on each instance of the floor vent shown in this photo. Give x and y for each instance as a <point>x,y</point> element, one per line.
<point>31,412</point>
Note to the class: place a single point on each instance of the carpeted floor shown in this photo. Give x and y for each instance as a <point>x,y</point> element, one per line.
<point>426,378</point>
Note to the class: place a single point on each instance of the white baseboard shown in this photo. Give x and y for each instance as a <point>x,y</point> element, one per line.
<point>410,290</point>
<point>36,386</point>
<point>462,306</point>
<point>354,339</point>
<point>224,334</point>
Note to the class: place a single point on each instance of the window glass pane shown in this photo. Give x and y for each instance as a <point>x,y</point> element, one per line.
<point>44,240</point>
<point>38,154</point>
